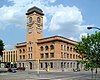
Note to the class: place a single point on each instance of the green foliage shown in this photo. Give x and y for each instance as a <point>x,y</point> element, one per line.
<point>89,48</point>
<point>1,47</point>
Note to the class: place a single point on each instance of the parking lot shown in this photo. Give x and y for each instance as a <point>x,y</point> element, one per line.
<point>33,75</point>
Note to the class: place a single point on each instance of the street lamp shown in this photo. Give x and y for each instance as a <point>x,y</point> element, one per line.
<point>38,63</point>
<point>93,28</point>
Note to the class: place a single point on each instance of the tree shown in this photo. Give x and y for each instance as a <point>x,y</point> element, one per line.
<point>89,48</point>
<point>1,47</point>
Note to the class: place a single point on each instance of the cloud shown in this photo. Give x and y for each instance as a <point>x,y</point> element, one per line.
<point>15,14</point>
<point>8,47</point>
<point>58,19</point>
<point>72,38</point>
<point>66,21</point>
<point>65,18</point>
<point>6,3</point>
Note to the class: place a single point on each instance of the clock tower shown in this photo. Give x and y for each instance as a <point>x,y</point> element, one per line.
<point>34,30</point>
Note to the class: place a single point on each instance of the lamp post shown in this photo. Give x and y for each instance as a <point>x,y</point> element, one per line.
<point>98,29</point>
<point>38,61</point>
<point>93,28</point>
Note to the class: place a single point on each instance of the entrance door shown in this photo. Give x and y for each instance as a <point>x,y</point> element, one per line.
<point>30,65</point>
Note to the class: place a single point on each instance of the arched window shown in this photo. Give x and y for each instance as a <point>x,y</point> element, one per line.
<point>46,47</point>
<point>61,47</point>
<point>20,51</point>
<point>71,65</point>
<point>61,64</point>
<point>23,50</point>
<point>64,47</point>
<point>70,56</point>
<point>71,49</point>
<point>51,47</point>
<point>68,65</point>
<point>74,65</point>
<point>67,48</point>
<point>73,56</point>
<point>14,57</point>
<point>41,48</point>
<point>74,50</point>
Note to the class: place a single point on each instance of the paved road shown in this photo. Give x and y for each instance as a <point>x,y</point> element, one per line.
<point>47,76</point>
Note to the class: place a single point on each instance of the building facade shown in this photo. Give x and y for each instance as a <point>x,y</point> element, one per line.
<point>51,53</point>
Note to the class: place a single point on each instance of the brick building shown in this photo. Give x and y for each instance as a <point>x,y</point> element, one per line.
<point>53,53</point>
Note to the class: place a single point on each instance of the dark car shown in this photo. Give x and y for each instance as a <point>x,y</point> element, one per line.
<point>12,70</point>
<point>76,70</point>
<point>21,68</point>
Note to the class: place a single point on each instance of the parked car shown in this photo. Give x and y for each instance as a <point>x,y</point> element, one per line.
<point>21,68</point>
<point>12,70</point>
<point>76,70</point>
<point>3,70</point>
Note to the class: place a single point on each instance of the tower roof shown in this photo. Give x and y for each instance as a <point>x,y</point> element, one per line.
<point>34,9</point>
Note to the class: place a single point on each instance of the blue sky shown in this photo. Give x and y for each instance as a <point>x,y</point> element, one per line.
<point>68,18</point>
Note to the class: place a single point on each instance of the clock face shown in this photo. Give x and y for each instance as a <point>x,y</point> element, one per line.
<point>38,19</point>
<point>30,19</point>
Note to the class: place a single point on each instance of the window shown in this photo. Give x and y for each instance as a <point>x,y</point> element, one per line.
<point>42,55</point>
<point>51,55</point>
<point>23,56</point>
<point>70,56</point>
<point>51,47</point>
<point>67,55</point>
<point>23,50</point>
<point>61,54</point>
<point>73,56</point>
<point>46,55</point>
<point>20,51</point>
<point>71,49</point>
<point>46,47</point>
<point>64,48</point>
<point>23,64</point>
<point>14,57</point>
<point>41,48</point>
<point>61,64</point>
<point>68,65</point>
<point>11,58</point>
<point>61,47</point>
<point>76,56</point>
<point>31,48</point>
<point>31,55</point>
<point>19,64</point>
<point>7,57</point>
<point>20,57</point>
<point>46,64</point>
<point>41,65</point>
<point>64,55</point>
<point>4,57</point>
<point>74,50</point>
<point>51,64</point>
<point>67,48</point>
<point>64,64</point>
<point>71,65</point>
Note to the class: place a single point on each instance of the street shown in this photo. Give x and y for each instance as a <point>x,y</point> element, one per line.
<point>24,75</point>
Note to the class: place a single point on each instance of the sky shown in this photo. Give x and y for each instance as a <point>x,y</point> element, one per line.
<point>67,18</point>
